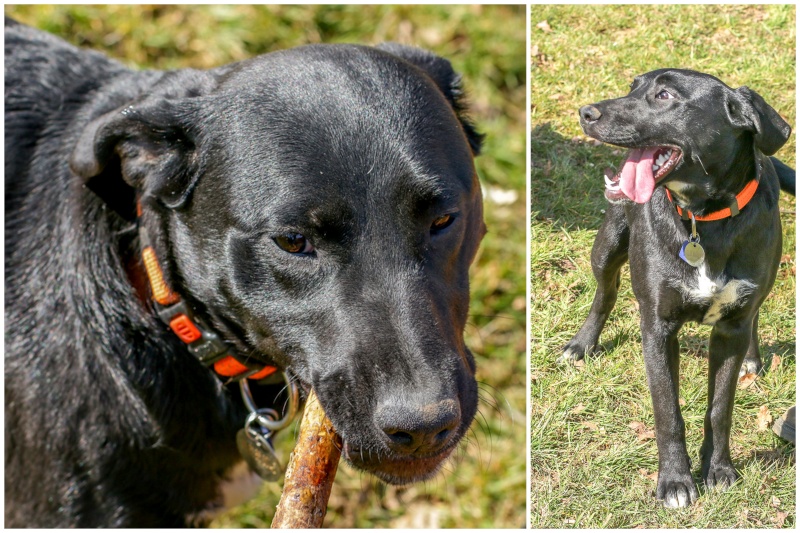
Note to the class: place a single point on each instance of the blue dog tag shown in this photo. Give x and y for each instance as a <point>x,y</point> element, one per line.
<point>692,253</point>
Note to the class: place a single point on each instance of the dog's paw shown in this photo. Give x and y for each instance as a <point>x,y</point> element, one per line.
<point>750,366</point>
<point>571,354</point>
<point>720,476</point>
<point>676,490</point>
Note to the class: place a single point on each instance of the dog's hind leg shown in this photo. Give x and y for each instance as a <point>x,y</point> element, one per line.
<point>752,361</point>
<point>609,253</point>
<point>730,342</point>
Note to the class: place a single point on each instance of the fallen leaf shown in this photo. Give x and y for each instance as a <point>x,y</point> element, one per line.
<point>776,362</point>
<point>776,502</point>
<point>746,380</point>
<point>544,26</point>
<point>646,435</point>
<point>653,476</point>
<point>590,426</point>
<point>638,427</point>
<point>642,433</point>
<point>577,409</point>
<point>579,364</point>
<point>780,518</point>
<point>557,96</point>
<point>786,258</point>
<point>681,402</point>
<point>764,421</point>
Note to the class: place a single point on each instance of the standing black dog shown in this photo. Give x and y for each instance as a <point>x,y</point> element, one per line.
<point>707,250</point>
<point>317,209</point>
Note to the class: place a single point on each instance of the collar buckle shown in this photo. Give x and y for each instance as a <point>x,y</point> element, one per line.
<point>201,342</point>
<point>209,348</point>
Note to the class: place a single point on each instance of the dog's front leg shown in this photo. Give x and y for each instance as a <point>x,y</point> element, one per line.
<point>727,348</point>
<point>609,253</point>
<point>675,486</point>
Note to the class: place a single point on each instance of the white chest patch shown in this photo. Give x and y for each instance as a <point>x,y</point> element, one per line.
<point>719,294</point>
<point>239,485</point>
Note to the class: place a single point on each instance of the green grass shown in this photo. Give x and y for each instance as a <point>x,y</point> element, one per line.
<point>589,468</point>
<point>485,485</point>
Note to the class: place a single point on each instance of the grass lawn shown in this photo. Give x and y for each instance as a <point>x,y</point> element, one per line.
<point>594,460</point>
<point>484,486</point>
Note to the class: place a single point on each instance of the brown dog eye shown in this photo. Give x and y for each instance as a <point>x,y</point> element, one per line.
<point>664,95</point>
<point>294,243</point>
<point>441,222</point>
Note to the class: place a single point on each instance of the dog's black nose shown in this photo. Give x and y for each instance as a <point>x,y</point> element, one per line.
<point>418,429</point>
<point>590,113</point>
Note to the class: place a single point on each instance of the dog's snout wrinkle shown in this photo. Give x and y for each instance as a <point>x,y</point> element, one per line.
<point>590,113</point>
<point>418,429</point>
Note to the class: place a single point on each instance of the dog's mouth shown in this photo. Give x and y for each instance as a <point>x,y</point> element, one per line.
<point>397,470</point>
<point>642,169</point>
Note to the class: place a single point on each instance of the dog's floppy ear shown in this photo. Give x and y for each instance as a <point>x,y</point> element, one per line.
<point>747,110</point>
<point>448,81</point>
<point>146,148</point>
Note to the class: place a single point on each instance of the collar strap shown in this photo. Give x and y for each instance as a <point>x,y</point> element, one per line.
<point>742,199</point>
<point>201,341</point>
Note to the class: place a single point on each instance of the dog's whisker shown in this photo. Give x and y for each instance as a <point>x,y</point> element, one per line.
<point>497,315</point>
<point>493,393</point>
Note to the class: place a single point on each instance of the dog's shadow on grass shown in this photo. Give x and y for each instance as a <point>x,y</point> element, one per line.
<point>567,187</point>
<point>697,346</point>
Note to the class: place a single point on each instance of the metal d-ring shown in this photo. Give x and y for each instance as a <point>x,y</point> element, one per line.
<point>265,416</point>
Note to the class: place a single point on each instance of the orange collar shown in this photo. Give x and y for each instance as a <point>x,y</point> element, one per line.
<point>206,345</point>
<point>742,199</point>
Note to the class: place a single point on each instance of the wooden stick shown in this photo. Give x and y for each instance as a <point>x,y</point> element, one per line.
<point>311,470</point>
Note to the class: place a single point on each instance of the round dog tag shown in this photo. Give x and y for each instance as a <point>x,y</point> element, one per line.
<point>257,451</point>
<point>692,253</point>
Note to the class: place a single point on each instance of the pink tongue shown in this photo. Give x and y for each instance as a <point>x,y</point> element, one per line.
<point>636,179</point>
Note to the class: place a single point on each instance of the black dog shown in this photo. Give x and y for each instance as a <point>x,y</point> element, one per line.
<point>707,144</point>
<point>317,209</point>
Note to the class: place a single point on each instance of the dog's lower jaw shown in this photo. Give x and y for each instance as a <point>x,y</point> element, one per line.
<point>398,471</point>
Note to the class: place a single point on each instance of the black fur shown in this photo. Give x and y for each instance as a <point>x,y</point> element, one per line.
<point>110,421</point>
<point>723,135</point>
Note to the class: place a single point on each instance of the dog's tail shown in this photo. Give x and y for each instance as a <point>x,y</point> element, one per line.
<point>786,176</point>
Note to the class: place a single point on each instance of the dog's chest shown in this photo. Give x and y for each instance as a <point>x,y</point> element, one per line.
<point>716,296</point>
<point>237,486</point>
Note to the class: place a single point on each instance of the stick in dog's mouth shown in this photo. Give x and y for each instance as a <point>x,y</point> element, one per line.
<point>641,170</point>
<point>311,471</point>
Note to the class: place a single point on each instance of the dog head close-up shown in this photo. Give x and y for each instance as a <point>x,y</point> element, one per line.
<point>319,207</point>
<point>725,123</point>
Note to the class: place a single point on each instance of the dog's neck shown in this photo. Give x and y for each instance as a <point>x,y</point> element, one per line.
<point>205,344</point>
<point>721,189</point>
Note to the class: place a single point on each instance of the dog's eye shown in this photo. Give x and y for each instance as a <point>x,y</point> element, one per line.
<point>294,243</point>
<point>441,222</point>
<point>664,95</point>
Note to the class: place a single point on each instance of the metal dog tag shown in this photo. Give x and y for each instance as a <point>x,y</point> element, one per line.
<point>255,447</point>
<point>692,253</point>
